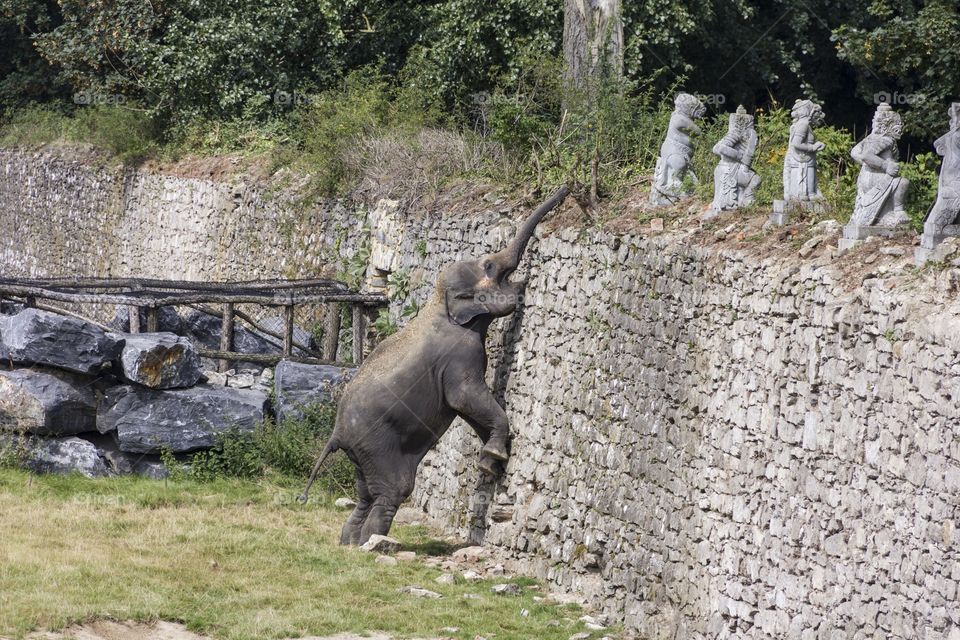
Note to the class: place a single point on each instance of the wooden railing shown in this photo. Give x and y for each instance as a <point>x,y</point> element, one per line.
<point>151,294</point>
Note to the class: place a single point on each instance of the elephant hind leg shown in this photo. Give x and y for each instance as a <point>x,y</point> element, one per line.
<point>389,492</point>
<point>350,534</point>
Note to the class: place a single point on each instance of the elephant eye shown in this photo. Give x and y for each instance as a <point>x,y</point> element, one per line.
<point>488,267</point>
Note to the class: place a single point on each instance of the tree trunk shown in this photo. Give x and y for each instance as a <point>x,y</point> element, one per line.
<point>592,43</point>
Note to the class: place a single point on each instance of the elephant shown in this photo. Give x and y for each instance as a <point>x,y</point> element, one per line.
<point>413,384</point>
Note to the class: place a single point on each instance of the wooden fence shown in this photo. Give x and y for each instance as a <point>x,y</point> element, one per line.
<point>151,295</point>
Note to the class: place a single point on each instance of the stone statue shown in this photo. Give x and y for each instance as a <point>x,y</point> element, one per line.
<point>800,163</point>
<point>734,182</point>
<point>881,192</point>
<point>410,388</point>
<point>676,152</point>
<point>944,218</point>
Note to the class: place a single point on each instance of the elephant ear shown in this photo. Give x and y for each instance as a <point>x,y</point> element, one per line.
<point>463,307</point>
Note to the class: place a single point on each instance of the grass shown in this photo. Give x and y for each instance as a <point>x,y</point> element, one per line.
<point>228,558</point>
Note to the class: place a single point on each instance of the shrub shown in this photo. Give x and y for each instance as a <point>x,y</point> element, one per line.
<point>286,451</point>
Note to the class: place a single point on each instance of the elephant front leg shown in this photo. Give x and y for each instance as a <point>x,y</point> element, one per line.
<point>480,409</point>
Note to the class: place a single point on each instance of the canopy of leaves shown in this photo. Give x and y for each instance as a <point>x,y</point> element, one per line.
<point>190,60</point>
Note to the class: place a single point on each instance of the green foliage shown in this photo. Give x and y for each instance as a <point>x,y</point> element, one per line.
<point>384,324</point>
<point>284,451</point>
<point>128,134</point>
<point>923,173</point>
<point>466,46</point>
<point>908,56</point>
<point>14,450</point>
<point>555,135</point>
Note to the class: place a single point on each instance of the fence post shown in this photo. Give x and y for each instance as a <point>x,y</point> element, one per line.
<point>331,332</point>
<point>226,334</point>
<point>152,319</point>
<point>288,330</point>
<point>359,332</point>
<point>134,312</point>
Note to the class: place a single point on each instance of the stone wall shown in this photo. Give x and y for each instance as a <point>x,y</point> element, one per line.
<point>710,441</point>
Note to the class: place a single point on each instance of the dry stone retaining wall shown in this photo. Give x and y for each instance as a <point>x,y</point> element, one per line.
<point>708,443</point>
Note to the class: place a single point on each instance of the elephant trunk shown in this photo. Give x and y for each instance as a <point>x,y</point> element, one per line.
<point>509,257</point>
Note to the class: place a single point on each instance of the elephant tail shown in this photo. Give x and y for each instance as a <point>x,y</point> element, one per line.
<point>327,450</point>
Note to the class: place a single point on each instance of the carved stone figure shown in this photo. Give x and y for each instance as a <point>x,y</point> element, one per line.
<point>734,181</point>
<point>676,152</point>
<point>881,192</point>
<point>944,218</point>
<point>414,383</point>
<point>800,162</point>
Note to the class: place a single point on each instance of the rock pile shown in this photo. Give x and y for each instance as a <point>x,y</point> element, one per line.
<point>77,398</point>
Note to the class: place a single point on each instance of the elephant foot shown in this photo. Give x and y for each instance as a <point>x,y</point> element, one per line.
<point>496,448</point>
<point>489,466</point>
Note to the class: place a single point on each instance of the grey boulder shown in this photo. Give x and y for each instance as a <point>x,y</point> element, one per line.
<point>40,337</point>
<point>159,360</point>
<point>178,420</point>
<point>65,455</point>
<point>47,402</point>
<point>298,386</point>
<point>168,320</point>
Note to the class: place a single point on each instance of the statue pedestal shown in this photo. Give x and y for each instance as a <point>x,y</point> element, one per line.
<point>783,208</point>
<point>781,215</point>
<point>929,244</point>
<point>854,234</point>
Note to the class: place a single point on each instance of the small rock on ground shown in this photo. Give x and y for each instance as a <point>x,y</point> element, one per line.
<point>419,592</point>
<point>406,556</point>
<point>389,561</point>
<point>381,544</point>
<point>470,554</point>
<point>506,589</point>
<point>345,503</point>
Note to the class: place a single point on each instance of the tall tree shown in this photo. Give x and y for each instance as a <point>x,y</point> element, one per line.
<point>592,41</point>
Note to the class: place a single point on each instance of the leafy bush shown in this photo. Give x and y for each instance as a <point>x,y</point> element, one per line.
<point>14,450</point>
<point>922,172</point>
<point>127,133</point>
<point>287,450</point>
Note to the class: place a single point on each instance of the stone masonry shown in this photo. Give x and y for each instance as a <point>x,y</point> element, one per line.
<point>709,442</point>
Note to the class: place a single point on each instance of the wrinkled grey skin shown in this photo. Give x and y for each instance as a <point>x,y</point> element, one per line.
<point>414,383</point>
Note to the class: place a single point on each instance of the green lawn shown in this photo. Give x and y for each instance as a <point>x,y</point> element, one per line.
<point>230,559</point>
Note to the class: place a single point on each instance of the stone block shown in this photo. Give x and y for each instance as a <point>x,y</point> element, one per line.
<point>64,456</point>
<point>298,386</point>
<point>179,420</point>
<point>159,360</point>
<point>47,402</point>
<point>854,234</point>
<point>40,337</point>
